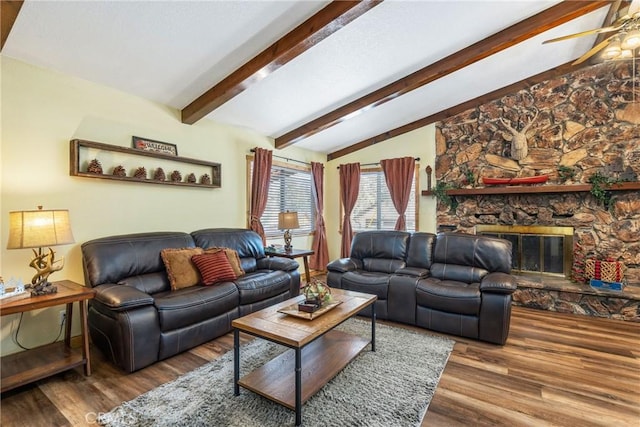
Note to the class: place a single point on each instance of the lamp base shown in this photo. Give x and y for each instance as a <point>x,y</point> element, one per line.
<point>287,241</point>
<point>42,288</point>
<point>44,264</point>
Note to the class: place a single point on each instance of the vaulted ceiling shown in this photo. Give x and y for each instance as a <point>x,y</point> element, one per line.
<point>332,77</point>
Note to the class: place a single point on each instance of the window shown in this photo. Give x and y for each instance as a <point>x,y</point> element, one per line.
<point>374,209</point>
<point>289,190</point>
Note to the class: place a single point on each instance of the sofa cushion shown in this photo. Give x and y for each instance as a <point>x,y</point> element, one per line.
<point>382,265</point>
<point>180,269</point>
<point>367,282</point>
<point>188,306</point>
<point>214,267</point>
<point>449,295</point>
<point>458,273</point>
<point>233,257</point>
<point>483,252</point>
<point>111,259</point>
<point>150,283</point>
<point>262,284</point>
<point>247,243</point>
<point>380,244</point>
<point>420,252</point>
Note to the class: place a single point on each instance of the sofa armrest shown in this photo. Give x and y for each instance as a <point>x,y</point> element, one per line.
<point>412,271</point>
<point>121,298</point>
<point>499,283</point>
<point>277,263</point>
<point>344,265</point>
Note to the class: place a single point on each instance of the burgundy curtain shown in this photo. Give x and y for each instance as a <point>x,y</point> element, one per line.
<point>349,187</point>
<point>320,258</point>
<point>259,189</point>
<point>398,173</point>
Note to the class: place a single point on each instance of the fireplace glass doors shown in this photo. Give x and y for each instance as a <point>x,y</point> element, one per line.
<point>535,249</point>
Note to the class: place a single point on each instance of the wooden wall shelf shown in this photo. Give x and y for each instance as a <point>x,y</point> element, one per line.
<point>534,189</point>
<point>214,170</point>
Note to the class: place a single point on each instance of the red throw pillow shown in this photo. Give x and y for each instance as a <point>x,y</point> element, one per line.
<point>214,267</point>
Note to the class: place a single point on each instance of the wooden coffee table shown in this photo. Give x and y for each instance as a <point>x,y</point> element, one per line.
<point>318,352</point>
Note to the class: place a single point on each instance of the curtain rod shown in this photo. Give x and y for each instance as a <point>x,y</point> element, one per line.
<point>417,159</point>
<point>253,150</point>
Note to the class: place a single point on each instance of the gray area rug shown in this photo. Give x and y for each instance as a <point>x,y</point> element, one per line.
<point>389,387</point>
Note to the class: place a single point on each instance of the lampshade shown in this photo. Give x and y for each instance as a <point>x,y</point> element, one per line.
<point>288,220</point>
<point>38,228</point>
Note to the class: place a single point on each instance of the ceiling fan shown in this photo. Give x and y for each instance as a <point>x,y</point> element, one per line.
<point>623,44</point>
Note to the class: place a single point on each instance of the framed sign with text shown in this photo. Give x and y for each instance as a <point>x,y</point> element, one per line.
<point>146,144</point>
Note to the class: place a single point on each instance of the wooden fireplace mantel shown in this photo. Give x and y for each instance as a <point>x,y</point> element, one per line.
<point>534,189</point>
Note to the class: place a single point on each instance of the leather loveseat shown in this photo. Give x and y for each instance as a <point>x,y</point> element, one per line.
<point>137,319</point>
<point>451,282</point>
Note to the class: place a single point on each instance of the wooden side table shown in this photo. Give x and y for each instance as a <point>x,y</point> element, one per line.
<point>294,253</point>
<point>41,362</point>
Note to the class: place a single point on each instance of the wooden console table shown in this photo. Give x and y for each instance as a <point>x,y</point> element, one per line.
<point>41,362</point>
<point>294,253</point>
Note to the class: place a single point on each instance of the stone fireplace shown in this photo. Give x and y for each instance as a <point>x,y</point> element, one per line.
<point>583,123</point>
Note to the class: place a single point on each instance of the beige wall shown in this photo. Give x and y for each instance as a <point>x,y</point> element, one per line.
<point>418,143</point>
<point>42,111</point>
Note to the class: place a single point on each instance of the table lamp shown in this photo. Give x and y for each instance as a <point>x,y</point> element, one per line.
<point>286,221</point>
<point>36,229</point>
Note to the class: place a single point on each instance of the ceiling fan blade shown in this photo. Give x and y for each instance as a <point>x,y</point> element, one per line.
<point>597,48</point>
<point>583,33</point>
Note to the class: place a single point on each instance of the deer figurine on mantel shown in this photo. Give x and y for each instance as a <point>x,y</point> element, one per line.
<point>519,146</point>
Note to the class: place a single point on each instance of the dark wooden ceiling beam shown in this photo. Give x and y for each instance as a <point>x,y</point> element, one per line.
<point>315,29</point>
<point>457,109</point>
<point>9,11</point>
<point>523,30</point>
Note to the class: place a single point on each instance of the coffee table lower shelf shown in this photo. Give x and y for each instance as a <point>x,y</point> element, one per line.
<point>322,360</point>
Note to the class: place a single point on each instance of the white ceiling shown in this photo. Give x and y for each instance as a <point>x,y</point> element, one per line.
<point>173,51</point>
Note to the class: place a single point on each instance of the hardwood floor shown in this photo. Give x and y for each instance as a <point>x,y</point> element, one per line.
<point>556,369</point>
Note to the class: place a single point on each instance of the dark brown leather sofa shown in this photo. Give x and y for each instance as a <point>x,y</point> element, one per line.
<point>451,282</point>
<point>136,319</point>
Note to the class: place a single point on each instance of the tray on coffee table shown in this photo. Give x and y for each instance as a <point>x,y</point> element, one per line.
<point>292,310</point>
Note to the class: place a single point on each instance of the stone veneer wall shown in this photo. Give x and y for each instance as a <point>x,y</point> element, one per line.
<point>585,121</point>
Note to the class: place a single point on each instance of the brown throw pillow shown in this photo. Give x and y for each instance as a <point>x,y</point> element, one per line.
<point>181,271</point>
<point>214,267</point>
<point>234,259</point>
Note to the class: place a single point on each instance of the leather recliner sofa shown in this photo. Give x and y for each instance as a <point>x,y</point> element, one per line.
<point>136,319</point>
<point>450,282</point>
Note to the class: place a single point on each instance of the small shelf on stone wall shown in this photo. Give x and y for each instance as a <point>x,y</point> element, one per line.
<point>82,152</point>
<point>537,189</point>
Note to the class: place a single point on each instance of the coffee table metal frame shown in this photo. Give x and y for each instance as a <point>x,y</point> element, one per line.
<point>368,300</point>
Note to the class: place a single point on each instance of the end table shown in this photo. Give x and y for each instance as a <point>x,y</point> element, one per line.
<point>293,253</point>
<point>41,362</point>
